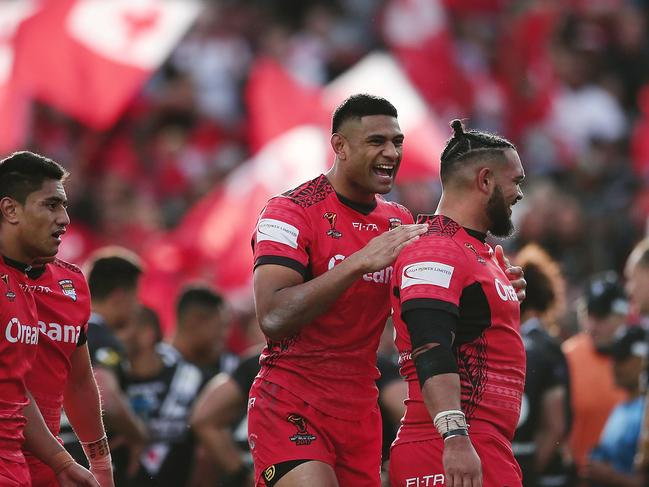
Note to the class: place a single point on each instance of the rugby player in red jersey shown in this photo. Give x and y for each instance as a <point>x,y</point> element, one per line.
<point>62,375</point>
<point>457,321</point>
<point>323,262</point>
<point>33,214</point>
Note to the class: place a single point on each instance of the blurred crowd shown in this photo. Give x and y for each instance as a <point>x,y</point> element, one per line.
<point>567,81</point>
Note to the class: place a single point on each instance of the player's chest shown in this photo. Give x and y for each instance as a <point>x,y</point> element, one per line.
<point>500,295</point>
<point>61,317</point>
<point>18,314</point>
<point>341,233</point>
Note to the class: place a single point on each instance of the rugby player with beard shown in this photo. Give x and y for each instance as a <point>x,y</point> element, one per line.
<point>323,256</point>
<point>457,321</point>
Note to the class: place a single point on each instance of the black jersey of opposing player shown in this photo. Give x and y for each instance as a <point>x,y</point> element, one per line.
<point>546,368</point>
<point>164,403</point>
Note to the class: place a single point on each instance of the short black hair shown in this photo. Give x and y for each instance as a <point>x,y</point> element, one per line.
<point>465,145</point>
<point>197,295</point>
<point>112,268</point>
<point>604,295</point>
<point>361,105</point>
<point>149,318</point>
<point>24,172</point>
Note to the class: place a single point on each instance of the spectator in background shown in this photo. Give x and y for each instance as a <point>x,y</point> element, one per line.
<point>611,463</point>
<point>545,416</point>
<point>637,286</point>
<point>393,391</point>
<point>637,280</point>
<point>220,408</point>
<point>593,393</point>
<point>201,328</point>
<point>161,388</point>
<point>113,275</point>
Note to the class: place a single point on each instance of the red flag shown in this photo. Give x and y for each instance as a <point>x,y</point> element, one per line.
<point>13,98</point>
<point>88,58</point>
<point>416,32</point>
<point>213,241</point>
<point>278,102</point>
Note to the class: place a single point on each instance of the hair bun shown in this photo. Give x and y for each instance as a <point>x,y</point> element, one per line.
<point>457,127</point>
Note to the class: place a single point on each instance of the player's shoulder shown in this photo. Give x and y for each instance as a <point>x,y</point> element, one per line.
<point>62,267</point>
<point>439,226</point>
<point>309,193</point>
<point>393,206</point>
<point>438,241</point>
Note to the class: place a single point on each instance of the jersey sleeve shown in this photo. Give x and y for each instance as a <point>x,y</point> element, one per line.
<point>431,273</point>
<point>282,236</point>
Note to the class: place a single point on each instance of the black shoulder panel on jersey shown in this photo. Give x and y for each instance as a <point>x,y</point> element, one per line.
<point>311,192</point>
<point>283,261</point>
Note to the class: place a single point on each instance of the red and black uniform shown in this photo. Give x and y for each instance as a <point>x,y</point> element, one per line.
<point>63,305</point>
<point>18,347</point>
<point>452,270</point>
<point>325,374</point>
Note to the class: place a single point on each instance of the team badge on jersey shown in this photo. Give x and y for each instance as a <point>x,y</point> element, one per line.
<point>394,223</point>
<point>331,217</point>
<point>302,437</point>
<point>67,286</point>
<point>10,295</point>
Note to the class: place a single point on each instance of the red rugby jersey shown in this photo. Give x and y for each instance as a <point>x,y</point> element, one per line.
<point>63,305</point>
<point>18,346</point>
<point>451,270</point>
<point>331,362</point>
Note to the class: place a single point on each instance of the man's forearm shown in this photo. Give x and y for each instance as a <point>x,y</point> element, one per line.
<point>221,448</point>
<point>82,406</point>
<point>295,306</point>
<point>118,412</point>
<point>38,438</point>
<point>442,393</point>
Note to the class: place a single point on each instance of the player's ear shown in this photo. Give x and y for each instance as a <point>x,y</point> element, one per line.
<point>485,180</point>
<point>338,145</point>
<point>9,208</point>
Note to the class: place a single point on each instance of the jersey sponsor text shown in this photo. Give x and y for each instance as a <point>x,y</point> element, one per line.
<point>430,273</point>
<point>19,332</point>
<point>277,231</point>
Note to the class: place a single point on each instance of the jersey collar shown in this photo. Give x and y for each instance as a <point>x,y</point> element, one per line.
<point>363,208</point>
<point>28,270</point>
<point>476,234</point>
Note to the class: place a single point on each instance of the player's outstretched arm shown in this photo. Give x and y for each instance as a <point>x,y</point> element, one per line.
<point>44,446</point>
<point>83,408</point>
<point>217,407</point>
<point>285,303</point>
